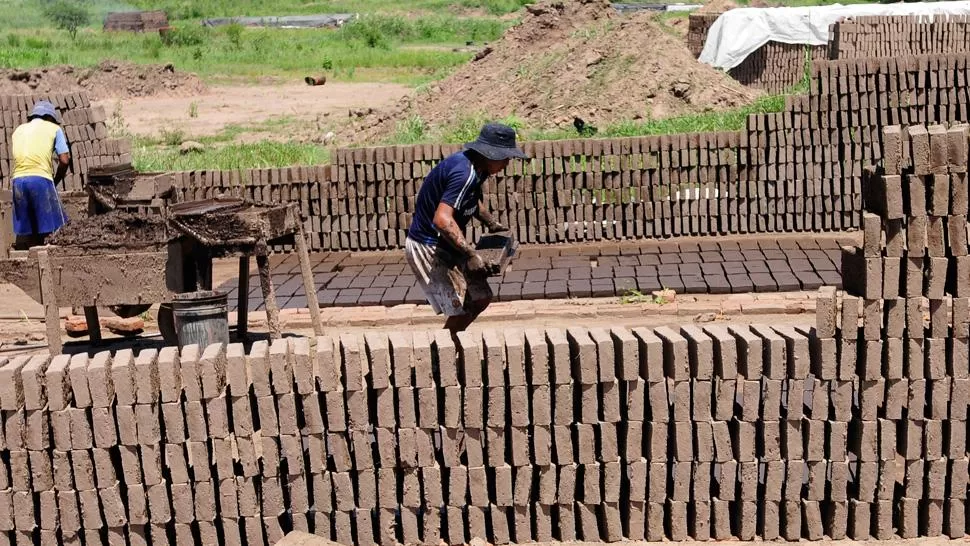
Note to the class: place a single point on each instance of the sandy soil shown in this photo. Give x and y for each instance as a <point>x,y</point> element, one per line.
<point>223,105</point>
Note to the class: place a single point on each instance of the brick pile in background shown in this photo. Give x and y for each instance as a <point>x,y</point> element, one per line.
<point>799,170</point>
<point>575,271</point>
<point>697,26</point>
<point>83,124</point>
<point>776,67</point>
<point>896,36</point>
<point>913,261</point>
<point>136,21</point>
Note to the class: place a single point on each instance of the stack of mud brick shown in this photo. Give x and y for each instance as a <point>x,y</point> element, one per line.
<point>909,435</point>
<point>569,191</point>
<point>777,67</point>
<point>301,185</point>
<point>509,436</point>
<point>136,21</point>
<point>697,26</point>
<point>83,124</point>
<point>898,36</point>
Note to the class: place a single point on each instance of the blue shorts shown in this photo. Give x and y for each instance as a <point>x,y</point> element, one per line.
<point>36,207</point>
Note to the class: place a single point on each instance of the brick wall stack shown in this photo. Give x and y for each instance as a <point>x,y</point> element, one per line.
<point>777,67</point>
<point>136,21</point>
<point>85,128</point>
<point>913,262</point>
<point>897,36</point>
<point>601,435</point>
<point>697,26</point>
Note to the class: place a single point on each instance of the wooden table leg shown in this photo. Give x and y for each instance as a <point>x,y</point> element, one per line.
<point>242,309</point>
<point>52,318</point>
<point>309,287</point>
<point>269,297</point>
<point>94,324</point>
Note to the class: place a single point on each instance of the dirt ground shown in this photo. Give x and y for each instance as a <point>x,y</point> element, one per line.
<point>226,105</point>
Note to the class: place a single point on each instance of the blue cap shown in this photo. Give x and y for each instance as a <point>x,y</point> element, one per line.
<point>43,109</point>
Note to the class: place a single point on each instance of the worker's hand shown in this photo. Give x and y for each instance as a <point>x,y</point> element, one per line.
<point>495,227</point>
<point>477,266</point>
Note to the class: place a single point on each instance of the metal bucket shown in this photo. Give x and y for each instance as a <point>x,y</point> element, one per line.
<point>201,318</point>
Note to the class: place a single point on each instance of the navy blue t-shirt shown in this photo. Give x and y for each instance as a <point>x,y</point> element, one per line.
<point>453,181</point>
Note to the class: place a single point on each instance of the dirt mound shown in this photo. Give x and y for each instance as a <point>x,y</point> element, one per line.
<point>110,79</point>
<point>717,6</point>
<point>574,58</point>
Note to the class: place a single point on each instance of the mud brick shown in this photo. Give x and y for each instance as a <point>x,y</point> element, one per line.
<point>680,397</point>
<point>826,308</point>
<point>189,373</point>
<point>656,481</point>
<point>745,444</point>
<point>280,366</point>
<point>237,370</point>
<point>32,377</point>
<point>936,277</point>
<point>959,361</point>
<point>770,440</point>
<point>939,397</point>
<point>501,532</point>
<point>954,513</point>
<point>933,442</point>
<point>725,392</point>
<point>582,346</point>
<point>496,406</point>
<point>11,382</point>
<point>681,481</point>
<point>659,402</point>
<point>677,520</point>
<point>859,519</point>
<point>866,441</point>
<point>327,368</point>
<point>861,276</point>
<point>701,352</point>
<point>77,373</point>
<point>14,430</point>
<point>773,349</point>
<point>871,398</point>
<point>651,354</point>
<point>720,519</point>
<point>872,320</point>
<point>748,519</point>
<point>676,354</point>
<point>169,377</point>
<point>478,486</point>
<point>908,518</point>
<point>274,531</point>
<point>358,417</point>
<point>37,430</point>
<point>751,399</point>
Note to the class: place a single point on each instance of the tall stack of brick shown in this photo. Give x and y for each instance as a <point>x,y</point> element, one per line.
<point>913,262</point>
<point>892,36</point>
<point>136,21</point>
<point>602,435</point>
<point>83,124</point>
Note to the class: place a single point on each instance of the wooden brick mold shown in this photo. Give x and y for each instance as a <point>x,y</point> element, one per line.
<point>693,432</point>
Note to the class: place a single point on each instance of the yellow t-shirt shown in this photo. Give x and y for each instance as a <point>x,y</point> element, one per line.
<point>33,145</point>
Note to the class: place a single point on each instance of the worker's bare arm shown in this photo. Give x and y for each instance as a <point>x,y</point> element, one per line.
<point>63,161</point>
<point>486,218</point>
<point>444,220</point>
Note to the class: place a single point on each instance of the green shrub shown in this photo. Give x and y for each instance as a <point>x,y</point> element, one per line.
<point>13,40</point>
<point>186,36</point>
<point>234,33</point>
<point>68,16</point>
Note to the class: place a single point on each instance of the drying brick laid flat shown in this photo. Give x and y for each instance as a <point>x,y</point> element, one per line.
<point>609,269</point>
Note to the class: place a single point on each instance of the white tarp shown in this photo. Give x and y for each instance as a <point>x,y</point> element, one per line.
<point>739,32</point>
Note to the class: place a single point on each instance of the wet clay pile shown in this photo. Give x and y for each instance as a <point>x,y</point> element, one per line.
<point>114,230</point>
<point>574,58</point>
<point>110,79</point>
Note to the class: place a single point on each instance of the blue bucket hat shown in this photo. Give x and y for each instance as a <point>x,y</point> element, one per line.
<point>44,109</point>
<point>497,142</point>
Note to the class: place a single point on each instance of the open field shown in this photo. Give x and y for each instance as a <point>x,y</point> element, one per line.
<point>391,50</point>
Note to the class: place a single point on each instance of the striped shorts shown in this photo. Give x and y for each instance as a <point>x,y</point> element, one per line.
<point>445,286</point>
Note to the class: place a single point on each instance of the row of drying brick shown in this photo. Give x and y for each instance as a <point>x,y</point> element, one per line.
<point>885,36</point>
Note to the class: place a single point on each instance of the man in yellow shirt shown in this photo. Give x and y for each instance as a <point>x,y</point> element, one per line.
<point>37,209</point>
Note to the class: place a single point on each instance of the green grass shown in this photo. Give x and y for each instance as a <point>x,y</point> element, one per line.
<point>196,9</point>
<point>147,157</point>
<point>375,47</point>
<point>414,130</point>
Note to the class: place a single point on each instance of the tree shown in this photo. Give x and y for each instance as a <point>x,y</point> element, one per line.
<point>68,16</point>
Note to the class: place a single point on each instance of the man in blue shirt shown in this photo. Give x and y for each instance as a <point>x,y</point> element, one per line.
<point>452,275</point>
